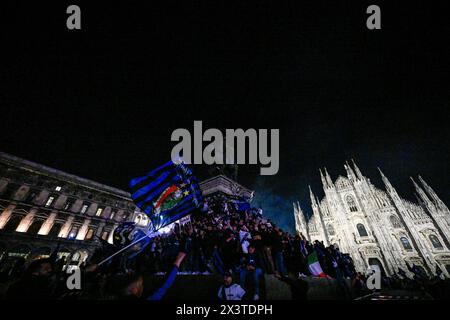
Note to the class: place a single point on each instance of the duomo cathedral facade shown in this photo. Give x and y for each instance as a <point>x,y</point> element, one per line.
<point>378,227</point>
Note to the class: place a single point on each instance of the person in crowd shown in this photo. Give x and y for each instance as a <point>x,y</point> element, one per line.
<point>299,287</point>
<point>229,291</point>
<point>35,284</point>
<point>228,250</point>
<point>131,286</point>
<point>224,240</point>
<point>359,287</point>
<point>278,244</point>
<point>250,266</point>
<point>244,237</point>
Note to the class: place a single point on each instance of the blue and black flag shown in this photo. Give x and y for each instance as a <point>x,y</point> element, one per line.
<point>167,193</point>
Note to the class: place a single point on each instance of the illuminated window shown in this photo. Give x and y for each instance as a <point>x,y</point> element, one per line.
<point>84,208</point>
<point>49,201</point>
<point>361,230</point>
<point>141,219</point>
<point>405,243</point>
<point>435,242</point>
<point>58,188</point>
<point>99,212</point>
<point>138,219</point>
<point>351,203</point>
<point>112,215</point>
<point>89,234</point>
<point>68,204</point>
<point>105,235</point>
<point>73,233</point>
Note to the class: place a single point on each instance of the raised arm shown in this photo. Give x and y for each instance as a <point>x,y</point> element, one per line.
<point>159,294</point>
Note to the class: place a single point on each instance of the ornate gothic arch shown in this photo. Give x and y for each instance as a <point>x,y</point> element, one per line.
<point>351,203</point>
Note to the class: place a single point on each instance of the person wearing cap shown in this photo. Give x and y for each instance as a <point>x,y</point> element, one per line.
<point>230,291</point>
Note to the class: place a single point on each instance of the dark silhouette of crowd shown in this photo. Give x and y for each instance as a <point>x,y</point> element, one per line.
<point>227,239</point>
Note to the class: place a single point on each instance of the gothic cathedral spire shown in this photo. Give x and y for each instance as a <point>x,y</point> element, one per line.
<point>358,172</point>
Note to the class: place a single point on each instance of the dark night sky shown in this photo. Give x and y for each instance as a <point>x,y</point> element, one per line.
<point>102,102</point>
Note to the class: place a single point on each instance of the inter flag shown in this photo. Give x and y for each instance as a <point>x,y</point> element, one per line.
<point>314,266</point>
<point>167,193</point>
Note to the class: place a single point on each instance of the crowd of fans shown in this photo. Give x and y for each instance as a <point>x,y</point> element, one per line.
<point>231,240</point>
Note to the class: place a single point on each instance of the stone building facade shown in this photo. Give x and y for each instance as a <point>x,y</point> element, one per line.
<point>225,186</point>
<point>378,227</point>
<point>42,208</point>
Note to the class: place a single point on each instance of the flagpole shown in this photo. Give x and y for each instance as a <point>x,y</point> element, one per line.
<point>125,248</point>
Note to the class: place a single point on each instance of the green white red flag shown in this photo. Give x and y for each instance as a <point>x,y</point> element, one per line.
<point>314,266</point>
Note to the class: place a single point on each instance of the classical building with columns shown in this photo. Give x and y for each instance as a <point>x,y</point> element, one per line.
<point>42,208</point>
<point>378,227</point>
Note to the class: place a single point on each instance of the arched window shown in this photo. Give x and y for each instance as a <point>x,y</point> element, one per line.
<point>405,243</point>
<point>395,221</point>
<point>13,223</point>
<point>351,203</point>
<point>73,233</point>
<point>54,231</point>
<point>138,219</point>
<point>141,220</point>
<point>377,262</point>
<point>435,242</point>
<point>35,226</point>
<point>330,230</point>
<point>89,234</point>
<point>361,230</point>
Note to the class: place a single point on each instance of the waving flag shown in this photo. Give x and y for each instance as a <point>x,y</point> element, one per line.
<point>167,193</point>
<point>314,266</point>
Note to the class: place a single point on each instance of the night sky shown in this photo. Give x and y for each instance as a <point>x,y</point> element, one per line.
<point>102,102</point>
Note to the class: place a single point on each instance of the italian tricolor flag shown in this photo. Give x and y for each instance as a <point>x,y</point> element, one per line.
<point>314,266</point>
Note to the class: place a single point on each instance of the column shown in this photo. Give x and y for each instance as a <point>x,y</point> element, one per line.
<point>111,234</point>
<point>83,230</point>
<point>6,214</point>
<point>66,228</point>
<point>47,225</point>
<point>26,221</point>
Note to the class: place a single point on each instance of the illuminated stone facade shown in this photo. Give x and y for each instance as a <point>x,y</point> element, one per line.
<point>41,208</point>
<point>379,227</point>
